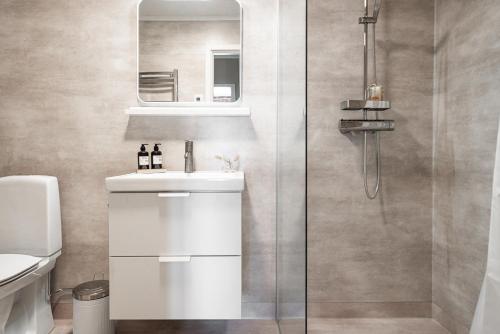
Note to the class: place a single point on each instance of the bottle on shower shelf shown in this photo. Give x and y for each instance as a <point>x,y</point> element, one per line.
<point>375,92</point>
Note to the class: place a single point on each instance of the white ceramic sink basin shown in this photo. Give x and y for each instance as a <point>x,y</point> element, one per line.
<point>177,181</point>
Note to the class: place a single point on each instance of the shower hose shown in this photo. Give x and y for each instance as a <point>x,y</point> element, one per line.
<point>369,194</point>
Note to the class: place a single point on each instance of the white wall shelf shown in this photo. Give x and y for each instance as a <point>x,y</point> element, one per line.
<point>189,111</point>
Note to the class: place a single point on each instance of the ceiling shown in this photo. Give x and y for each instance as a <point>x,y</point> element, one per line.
<point>189,10</point>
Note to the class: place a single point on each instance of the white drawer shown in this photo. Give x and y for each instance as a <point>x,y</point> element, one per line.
<point>158,224</point>
<point>175,287</point>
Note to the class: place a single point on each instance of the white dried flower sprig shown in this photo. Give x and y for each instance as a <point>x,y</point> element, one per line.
<point>229,164</point>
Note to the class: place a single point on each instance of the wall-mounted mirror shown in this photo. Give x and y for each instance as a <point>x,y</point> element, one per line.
<point>189,51</point>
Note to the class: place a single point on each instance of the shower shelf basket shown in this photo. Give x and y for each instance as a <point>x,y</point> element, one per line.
<point>365,105</point>
<point>363,125</point>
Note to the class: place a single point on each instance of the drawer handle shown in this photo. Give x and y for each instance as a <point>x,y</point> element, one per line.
<point>171,195</point>
<point>168,259</point>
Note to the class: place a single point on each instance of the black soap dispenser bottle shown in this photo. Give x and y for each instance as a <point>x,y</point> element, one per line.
<point>143,158</point>
<point>156,158</point>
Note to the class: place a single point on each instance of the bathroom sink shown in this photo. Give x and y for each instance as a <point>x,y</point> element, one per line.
<point>177,181</point>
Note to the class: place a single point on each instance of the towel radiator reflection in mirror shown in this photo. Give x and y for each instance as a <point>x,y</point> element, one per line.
<point>160,83</point>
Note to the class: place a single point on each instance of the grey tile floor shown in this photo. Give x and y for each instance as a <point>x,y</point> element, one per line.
<point>316,326</point>
<point>184,327</point>
<point>375,326</point>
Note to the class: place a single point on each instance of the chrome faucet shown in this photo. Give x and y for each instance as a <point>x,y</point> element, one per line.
<point>188,157</point>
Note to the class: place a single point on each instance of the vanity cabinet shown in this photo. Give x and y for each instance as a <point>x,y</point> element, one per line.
<point>196,287</point>
<point>175,254</point>
<point>148,224</point>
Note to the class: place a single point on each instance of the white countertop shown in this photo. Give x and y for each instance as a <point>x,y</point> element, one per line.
<point>203,181</point>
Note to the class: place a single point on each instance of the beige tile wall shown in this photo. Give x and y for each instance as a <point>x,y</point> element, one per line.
<point>466,112</point>
<point>67,74</point>
<point>370,257</point>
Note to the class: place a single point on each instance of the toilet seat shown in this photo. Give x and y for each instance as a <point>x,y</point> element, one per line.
<point>14,266</point>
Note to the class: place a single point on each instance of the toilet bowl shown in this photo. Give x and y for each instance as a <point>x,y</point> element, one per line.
<point>30,242</point>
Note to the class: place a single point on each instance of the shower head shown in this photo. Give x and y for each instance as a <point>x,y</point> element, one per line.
<point>376,9</point>
<point>371,19</point>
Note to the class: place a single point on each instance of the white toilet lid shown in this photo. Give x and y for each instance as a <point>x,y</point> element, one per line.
<point>14,265</point>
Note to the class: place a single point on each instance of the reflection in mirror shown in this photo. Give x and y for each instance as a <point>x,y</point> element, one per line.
<point>189,51</point>
<point>226,84</point>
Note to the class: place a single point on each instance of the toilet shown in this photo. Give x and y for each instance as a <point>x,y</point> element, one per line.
<point>30,242</point>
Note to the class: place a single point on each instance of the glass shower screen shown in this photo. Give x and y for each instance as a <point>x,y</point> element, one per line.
<point>291,168</point>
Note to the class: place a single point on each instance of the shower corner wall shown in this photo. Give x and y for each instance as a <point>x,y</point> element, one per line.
<point>291,168</point>
<point>370,259</point>
<point>466,113</point>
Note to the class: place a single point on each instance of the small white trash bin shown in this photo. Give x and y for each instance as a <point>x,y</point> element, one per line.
<point>91,308</point>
